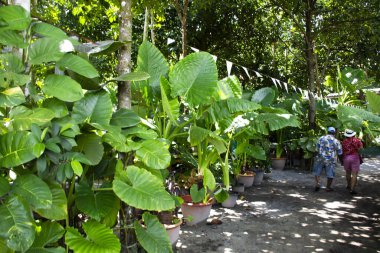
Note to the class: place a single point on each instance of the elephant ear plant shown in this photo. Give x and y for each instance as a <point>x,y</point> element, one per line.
<point>61,180</point>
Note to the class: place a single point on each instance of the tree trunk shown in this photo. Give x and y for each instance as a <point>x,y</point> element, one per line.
<point>182,14</point>
<point>145,35</point>
<point>311,60</point>
<point>125,53</point>
<point>152,35</point>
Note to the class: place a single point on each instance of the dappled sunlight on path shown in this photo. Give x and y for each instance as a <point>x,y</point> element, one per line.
<point>284,214</point>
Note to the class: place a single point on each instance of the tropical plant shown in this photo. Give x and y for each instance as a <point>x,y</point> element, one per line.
<point>59,143</point>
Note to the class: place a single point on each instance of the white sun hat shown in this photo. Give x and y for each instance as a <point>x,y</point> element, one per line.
<point>349,133</point>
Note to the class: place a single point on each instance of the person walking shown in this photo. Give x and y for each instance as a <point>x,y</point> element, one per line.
<point>351,158</point>
<point>328,148</point>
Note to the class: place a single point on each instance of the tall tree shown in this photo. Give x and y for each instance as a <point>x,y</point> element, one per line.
<point>125,53</point>
<point>182,11</point>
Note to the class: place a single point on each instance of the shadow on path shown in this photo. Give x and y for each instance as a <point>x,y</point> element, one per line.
<point>284,214</point>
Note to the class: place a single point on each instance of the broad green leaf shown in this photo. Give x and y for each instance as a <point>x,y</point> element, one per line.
<point>278,121</point>
<point>230,87</point>
<point>38,149</point>
<point>152,61</point>
<point>264,96</point>
<point>23,118</point>
<point>91,146</point>
<point>353,118</point>
<point>77,167</point>
<point>373,101</point>
<point>196,194</point>
<point>78,65</point>
<point>17,224</point>
<point>195,79</point>
<point>86,83</point>
<point>141,132</point>
<point>198,135</point>
<point>153,236</point>
<point>48,50</point>
<point>47,30</point>
<point>94,107</point>
<point>170,106</point>
<point>11,97</point>
<point>16,148</point>
<point>209,179</point>
<point>154,154</point>
<point>96,204</point>
<point>99,239</point>
<point>125,118</point>
<point>139,188</point>
<point>12,63</point>
<point>133,76</point>
<point>117,141</point>
<point>15,17</point>
<point>12,38</point>
<point>58,208</point>
<point>49,232</point>
<point>62,87</point>
<point>4,248</point>
<point>13,79</point>
<point>34,190</point>
<point>57,106</point>
<point>4,186</point>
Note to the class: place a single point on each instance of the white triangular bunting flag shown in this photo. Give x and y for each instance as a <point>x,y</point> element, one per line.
<point>279,83</point>
<point>215,57</point>
<point>170,41</point>
<point>300,91</point>
<point>229,67</point>
<point>274,81</point>
<point>286,86</point>
<point>246,71</point>
<point>194,49</point>
<point>294,88</point>
<point>258,74</point>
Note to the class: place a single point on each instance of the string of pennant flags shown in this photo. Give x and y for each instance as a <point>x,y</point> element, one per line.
<point>279,84</point>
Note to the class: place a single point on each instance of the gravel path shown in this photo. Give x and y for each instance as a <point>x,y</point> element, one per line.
<point>284,214</point>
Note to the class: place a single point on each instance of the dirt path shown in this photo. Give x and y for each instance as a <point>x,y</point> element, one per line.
<point>284,214</point>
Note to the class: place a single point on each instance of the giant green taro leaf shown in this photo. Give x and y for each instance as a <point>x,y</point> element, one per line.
<point>264,96</point>
<point>78,65</point>
<point>151,61</point>
<point>48,233</point>
<point>11,97</point>
<point>34,190</point>
<point>169,105</point>
<point>12,38</point>
<point>62,87</point>
<point>48,50</point>
<point>4,186</point>
<point>96,204</point>
<point>154,154</point>
<point>91,146</point>
<point>195,79</point>
<point>95,107</point>
<point>17,224</point>
<point>14,17</point>
<point>23,118</point>
<point>153,236</point>
<point>58,208</point>
<point>16,148</point>
<point>125,118</point>
<point>99,239</point>
<point>139,188</point>
<point>373,101</point>
<point>353,118</point>
<point>47,30</point>
<point>230,87</point>
<point>277,121</point>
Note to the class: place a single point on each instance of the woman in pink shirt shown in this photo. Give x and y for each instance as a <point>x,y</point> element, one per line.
<point>351,158</point>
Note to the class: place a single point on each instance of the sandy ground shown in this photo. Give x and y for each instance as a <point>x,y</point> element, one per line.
<point>285,214</point>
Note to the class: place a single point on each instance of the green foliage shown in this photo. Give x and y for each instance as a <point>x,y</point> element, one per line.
<point>153,236</point>
<point>99,239</point>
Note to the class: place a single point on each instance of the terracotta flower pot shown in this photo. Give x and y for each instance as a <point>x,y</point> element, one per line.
<point>198,211</point>
<point>231,200</point>
<point>173,231</point>
<point>278,163</point>
<point>238,188</point>
<point>247,180</point>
